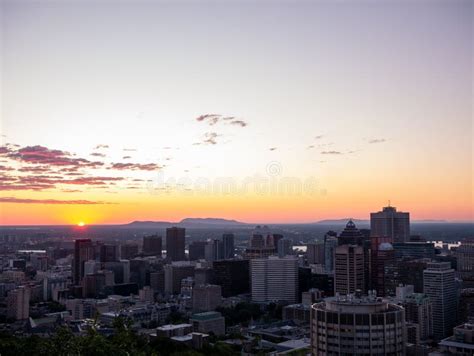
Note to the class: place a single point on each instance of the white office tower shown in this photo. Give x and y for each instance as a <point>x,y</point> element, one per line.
<point>357,326</point>
<point>439,286</point>
<point>274,279</point>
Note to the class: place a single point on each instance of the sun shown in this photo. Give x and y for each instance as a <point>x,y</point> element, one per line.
<point>81,223</point>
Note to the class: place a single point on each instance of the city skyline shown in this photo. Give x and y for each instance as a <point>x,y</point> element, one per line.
<point>262,113</point>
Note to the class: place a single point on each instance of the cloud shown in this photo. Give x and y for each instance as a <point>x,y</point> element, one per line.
<point>239,123</point>
<point>36,169</point>
<point>49,201</point>
<point>43,182</point>
<point>126,157</point>
<point>318,137</point>
<point>129,149</point>
<point>6,168</point>
<point>44,155</point>
<point>213,119</point>
<point>310,147</point>
<point>331,153</point>
<point>4,150</point>
<point>273,148</point>
<point>71,190</point>
<point>97,154</point>
<point>135,166</point>
<point>98,147</point>
<point>377,140</point>
<point>210,138</point>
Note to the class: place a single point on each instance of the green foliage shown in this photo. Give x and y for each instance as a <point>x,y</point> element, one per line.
<point>124,342</point>
<point>242,313</point>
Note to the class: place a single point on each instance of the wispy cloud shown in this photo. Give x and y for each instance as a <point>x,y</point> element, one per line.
<point>213,119</point>
<point>98,154</point>
<point>377,140</point>
<point>331,153</point>
<point>273,148</point>
<point>318,137</point>
<point>126,157</point>
<point>49,201</point>
<point>129,149</point>
<point>100,146</point>
<point>210,138</point>
<point>135,166</point>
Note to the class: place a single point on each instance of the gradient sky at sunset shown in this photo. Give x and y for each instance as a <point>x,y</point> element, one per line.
<point>272,112</point>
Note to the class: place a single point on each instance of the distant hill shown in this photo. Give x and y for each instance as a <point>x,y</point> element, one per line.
<point>343,221</point>
<point>187,222</point>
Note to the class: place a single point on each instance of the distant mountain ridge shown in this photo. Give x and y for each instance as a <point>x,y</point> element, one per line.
<point>187,222</point>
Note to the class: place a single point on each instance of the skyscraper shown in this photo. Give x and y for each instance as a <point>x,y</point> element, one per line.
<point>214,250</point>
<point>330,244</point>
<point>233,276</point>
<point>83,251</point>
<point>357,326</point>
<point>348,269</point>
<point>439,286</point>
<point>108,253</point>
<point>175,243</point>
<point>315,253</point>
<point>350,235</point>
<point>152,245</point>
<point>465,259</point>
<point>228,242</point>
<point>284,247</point>
<point>274,279</point>
<point>390,223</point>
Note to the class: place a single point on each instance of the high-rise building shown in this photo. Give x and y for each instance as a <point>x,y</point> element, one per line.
<point>128,251</point>
<point>390,223</point>
<point>233,276</point>
<point>357,326</point>
<point>228,246</point>
<point>350,235</point>
<point>330,244</point>
<point>18,303</point>
<point>419,311</point>
<point>348,269</point>
<point>108,253</point>
<point>274,279</point>
<point>439,286</point>
<point>214,250</point>
<point>175,243</point>
<point>465,259</point>
<point>197,250</point>
<point>285,247</point>
<point>175,273</point>
<point>206,297</point>
<point>383,268</point>
<point>315,253</point>
<point>83,251</point>
<point>152,245</point>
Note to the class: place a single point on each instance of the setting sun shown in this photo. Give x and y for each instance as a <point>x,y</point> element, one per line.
<point>81,223</point>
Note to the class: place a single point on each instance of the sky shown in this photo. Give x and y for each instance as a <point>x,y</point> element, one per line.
<point>271,111</point>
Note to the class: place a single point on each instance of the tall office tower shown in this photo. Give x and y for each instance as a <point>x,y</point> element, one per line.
<point>108,253</point>
<point>350,235</point>
<point>83,251</point>
<point>465,259</point>
<point>175,273</point>
<point>214,250</point>
<point>348,269</point>
<point>419,311</point>
<point>315,253</point>
<point>18,303</point>
<point>439,286</point>
<point>175,241</point>
<point>93,285</point>
<point>197,250</point>
<point>383,268</point>
<point>330,244</point>
<point>390,223</point>
<point>357,326</point>
<point>257,241</point>
<point>285,247</point>
<point>233,276</point>
<point>206,297</point>
<point>411,272</point>
<point>275,238</point>
<point>128,251</point>
<point>152,245</point>
<point>274,279</point>
<point>229,249</point>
